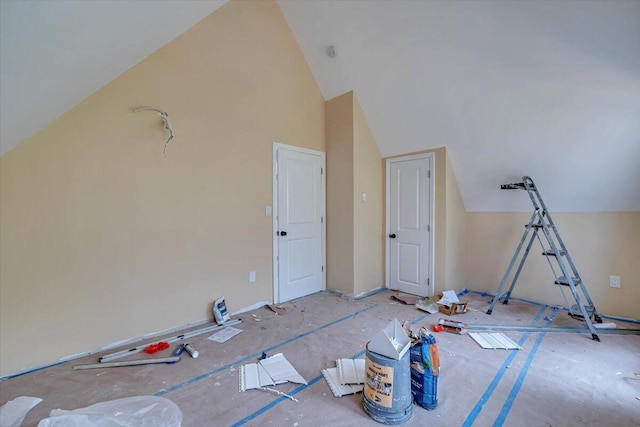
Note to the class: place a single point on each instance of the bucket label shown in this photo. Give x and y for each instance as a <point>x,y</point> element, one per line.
<point>379,385</point>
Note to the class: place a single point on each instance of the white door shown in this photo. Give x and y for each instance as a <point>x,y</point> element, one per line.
<point>298,222</point>
<point>409,257</point>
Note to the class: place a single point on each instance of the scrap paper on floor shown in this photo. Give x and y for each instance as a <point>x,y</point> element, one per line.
<point>225,335</point>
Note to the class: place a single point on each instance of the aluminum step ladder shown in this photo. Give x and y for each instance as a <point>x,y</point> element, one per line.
<point>567,276</point>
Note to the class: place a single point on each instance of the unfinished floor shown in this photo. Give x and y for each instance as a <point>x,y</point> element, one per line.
<point>557,379</point>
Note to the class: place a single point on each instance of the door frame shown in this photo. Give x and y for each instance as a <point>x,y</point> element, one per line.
<point>432,191</point>
<point>276,147</point>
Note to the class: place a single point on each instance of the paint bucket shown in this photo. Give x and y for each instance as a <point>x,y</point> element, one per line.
<point>387,388</point>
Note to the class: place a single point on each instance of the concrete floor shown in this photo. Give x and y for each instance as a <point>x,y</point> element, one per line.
<point>557,379</point>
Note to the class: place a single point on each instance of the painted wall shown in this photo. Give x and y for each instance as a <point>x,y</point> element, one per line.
<point>103,240</point>
<point>368,215</point>
<point>600,244</point>
<point>340,185</point>
<point>355,263</point>
<point>456,221</point>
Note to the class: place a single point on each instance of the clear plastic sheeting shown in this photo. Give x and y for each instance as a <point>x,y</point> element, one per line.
<point>13,412</point>
<point>137,411</point>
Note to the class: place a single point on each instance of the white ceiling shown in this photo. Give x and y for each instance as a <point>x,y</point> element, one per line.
<point>549,89</point>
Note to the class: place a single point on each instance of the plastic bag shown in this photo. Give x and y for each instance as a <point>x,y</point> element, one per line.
<point>137,411</point>
<point>13,412</point>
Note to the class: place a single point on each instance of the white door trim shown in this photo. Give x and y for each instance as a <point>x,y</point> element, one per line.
<point>276,146</point>
<point>432,192</point>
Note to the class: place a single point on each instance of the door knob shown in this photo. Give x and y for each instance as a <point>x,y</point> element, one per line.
<point>283,233</point>
<point>393,236</point>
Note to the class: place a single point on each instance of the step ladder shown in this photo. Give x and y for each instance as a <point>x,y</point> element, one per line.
<point>556,253</point>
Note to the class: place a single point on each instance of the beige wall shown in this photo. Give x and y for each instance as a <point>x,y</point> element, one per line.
<point>355,263</point>
<point>340,213</point>
<point>369,215</point>
<point>600,244</point>
<point>456,218</point>
<point>102,240</point>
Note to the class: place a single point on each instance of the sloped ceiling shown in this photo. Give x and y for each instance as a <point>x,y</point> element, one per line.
<point>549,89</point>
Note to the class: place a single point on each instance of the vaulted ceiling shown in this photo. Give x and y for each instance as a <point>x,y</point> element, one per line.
<point>549,89</point>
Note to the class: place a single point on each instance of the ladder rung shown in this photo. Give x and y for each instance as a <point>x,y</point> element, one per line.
<point>552,253</point>
<point>538,225</point>
<point>564,282</point>
<point>575,309</point>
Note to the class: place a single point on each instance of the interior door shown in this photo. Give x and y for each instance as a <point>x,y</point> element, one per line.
<point>409,255</point>
<point>299,223</point>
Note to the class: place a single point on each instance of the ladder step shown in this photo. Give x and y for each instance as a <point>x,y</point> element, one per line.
<point>575,309</point>
<point>564,282</point>
<point>552,253</point>
<point>515,186</point>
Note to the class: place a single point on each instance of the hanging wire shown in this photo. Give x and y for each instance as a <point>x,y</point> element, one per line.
<point>165,121</point>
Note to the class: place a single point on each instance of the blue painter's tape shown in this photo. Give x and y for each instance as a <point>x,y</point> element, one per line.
<point>30,371</point>
<point>502,416</point>
<point>255,355</point>
<point>494,383</point>
<point>621,319</point>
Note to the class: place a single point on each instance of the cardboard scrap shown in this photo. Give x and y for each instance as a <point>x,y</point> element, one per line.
<point>406,298</point>
<point>279,309</point>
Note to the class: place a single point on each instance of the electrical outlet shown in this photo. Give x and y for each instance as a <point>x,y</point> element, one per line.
<point>614,281</point>
<point>252,276</point>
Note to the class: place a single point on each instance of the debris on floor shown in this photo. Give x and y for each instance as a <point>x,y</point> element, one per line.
<point>494,340</point>
<point>406,298</point>
<point>346,378</point>
<point>170,340</point>
<point>426,305</point>
<point>279,309</point>
<point>271,371</point>
<point>225,335</point>
<point>448,303</point>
